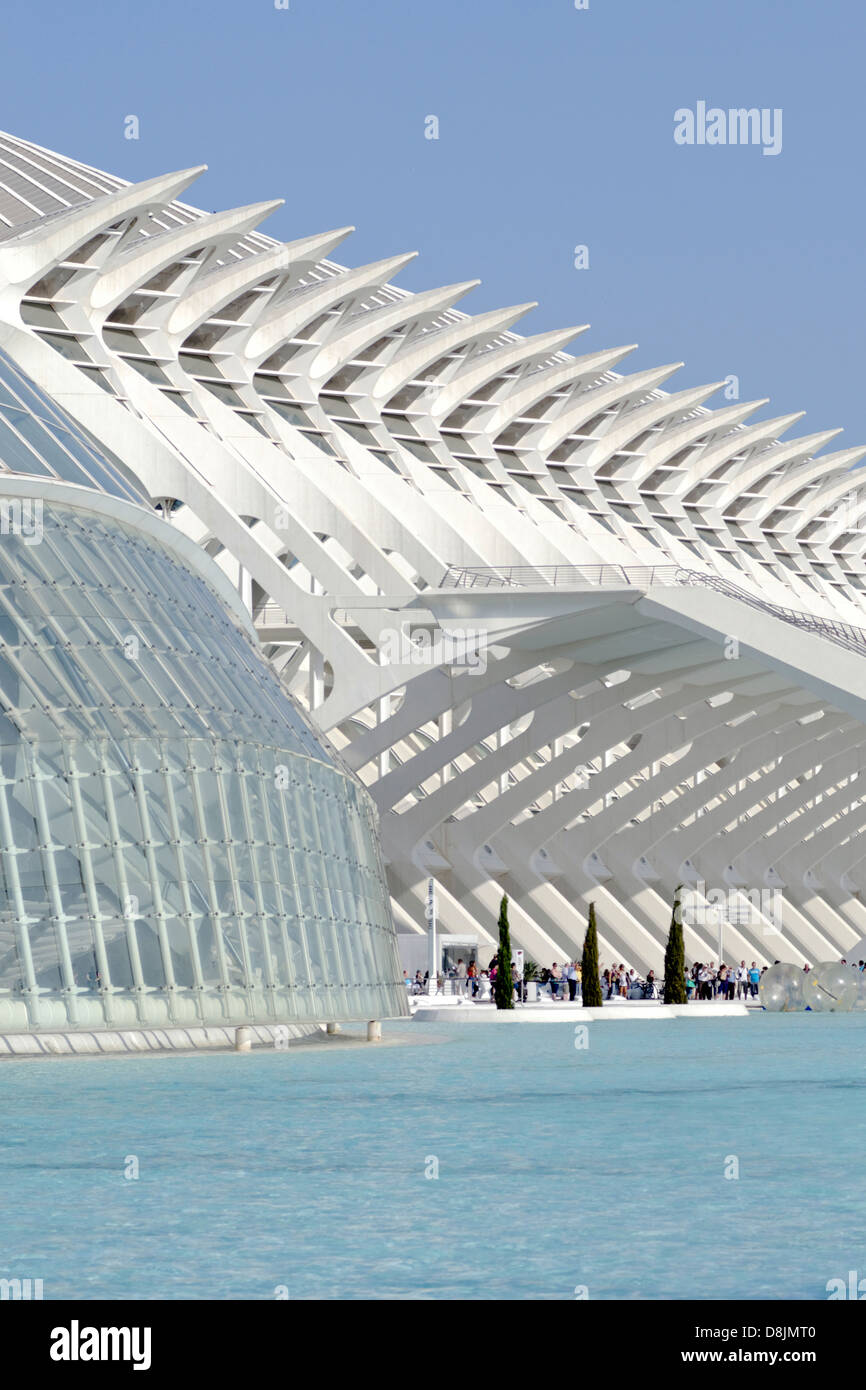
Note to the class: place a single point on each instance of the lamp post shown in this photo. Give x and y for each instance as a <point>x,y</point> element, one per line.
<point>521,989</point>
<point>430,914</point>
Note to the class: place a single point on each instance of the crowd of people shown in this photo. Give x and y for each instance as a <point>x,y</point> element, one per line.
<point>562,980</point>
<point>704,981</point>
<point>466,978</point>
<point>728,982</point>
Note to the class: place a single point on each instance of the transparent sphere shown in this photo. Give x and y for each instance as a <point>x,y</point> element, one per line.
<point>781,988</point>
<point>854,996</point>
<point>828,987</point>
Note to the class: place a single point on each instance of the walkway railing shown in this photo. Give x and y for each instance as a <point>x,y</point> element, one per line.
<point>570,576</point>
<point>645,577</point>
<point>272,615</point>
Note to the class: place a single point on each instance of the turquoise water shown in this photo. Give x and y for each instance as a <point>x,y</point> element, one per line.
<point>557,1167</point>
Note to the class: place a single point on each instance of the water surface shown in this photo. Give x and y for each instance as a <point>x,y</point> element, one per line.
<point>558,1167</point>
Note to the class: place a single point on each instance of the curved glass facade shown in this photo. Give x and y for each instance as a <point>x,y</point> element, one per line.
<point>176,845</point>
<point>39,439</point>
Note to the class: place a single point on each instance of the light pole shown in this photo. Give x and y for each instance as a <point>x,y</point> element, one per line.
<point>518,961</point>
<point>430,914</point>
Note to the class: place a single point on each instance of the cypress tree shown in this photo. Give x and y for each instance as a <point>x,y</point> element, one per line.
<point>675,957</point>
<point>503,988</point>
<point>590,982</point>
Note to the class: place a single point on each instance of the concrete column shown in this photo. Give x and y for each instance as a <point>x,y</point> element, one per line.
<point>243,1040</point>
<point>502,739</point>
<point>445,727</point>
<point>245,588</point>
<point>374,1031</point>
<point>383,714</point>
<point>316,687</point>
<point>332,1028</point>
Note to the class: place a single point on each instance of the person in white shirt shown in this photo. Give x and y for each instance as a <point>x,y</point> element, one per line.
<point>461,976</point>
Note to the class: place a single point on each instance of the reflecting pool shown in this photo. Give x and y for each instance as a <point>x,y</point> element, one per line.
<point>473,1162</point>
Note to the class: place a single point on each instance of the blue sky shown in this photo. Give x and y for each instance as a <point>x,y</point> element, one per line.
<point>555,130</point>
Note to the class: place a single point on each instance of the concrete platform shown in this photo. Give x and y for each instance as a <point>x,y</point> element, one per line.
<point>634,1011</point>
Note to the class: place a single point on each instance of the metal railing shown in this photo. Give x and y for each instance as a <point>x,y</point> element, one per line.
<point>531,991</point>
<point>272,615</point>
<point>572,576</point>
<point>645,577</point>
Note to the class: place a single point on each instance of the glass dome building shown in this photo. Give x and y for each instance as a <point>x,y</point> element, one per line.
<point>177,845</point>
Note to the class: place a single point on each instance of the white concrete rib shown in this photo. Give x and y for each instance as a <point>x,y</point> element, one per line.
<point>592,734</point>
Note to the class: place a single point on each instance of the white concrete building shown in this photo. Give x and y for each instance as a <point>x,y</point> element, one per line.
<point>581,636</point>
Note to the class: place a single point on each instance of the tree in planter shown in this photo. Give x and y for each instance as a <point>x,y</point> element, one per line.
<point>503,986</point>
<point>532,974</point>
<point>675,957</point>
<point>591,984</point>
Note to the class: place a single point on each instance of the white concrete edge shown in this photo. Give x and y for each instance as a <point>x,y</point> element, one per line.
<point>143,519</point>
<point>488,1013</point>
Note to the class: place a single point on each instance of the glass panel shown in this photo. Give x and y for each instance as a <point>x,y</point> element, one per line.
<point>158,725</point>
<point>180,948</point>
